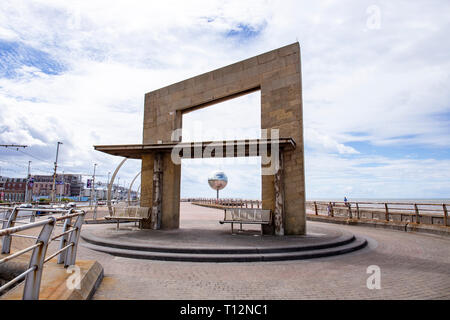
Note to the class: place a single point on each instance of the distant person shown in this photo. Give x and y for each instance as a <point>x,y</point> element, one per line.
<point>329,208</point>
<point>345,201</point>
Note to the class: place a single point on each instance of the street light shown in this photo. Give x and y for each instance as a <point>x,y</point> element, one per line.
<point>28,181</point>
<point>93,185</point>
<point>54,173</point>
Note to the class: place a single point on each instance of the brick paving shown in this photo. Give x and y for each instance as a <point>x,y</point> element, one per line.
<point>413,266</point>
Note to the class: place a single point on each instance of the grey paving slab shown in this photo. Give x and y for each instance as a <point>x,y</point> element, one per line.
<point>413,266</point>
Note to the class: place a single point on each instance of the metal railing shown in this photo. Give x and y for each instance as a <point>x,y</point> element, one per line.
<point>66,253</point>
<point>419,213</point>
<point>226,203</point>
<point>412,212</point>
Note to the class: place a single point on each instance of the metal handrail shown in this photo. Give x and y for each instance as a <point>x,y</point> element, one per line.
<point>11,230</point>
<point>62,234</point>
<point>18,278</point>
<point>416,211</point>
<point>58,252</point>
<point>228,202</point>
<point>24,236</point>
<point>19,253</point>
<point>67,248</point>
<point>381,202</point>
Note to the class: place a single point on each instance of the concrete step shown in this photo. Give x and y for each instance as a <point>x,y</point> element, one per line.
<point>355,244</point>
<point>339,241</point>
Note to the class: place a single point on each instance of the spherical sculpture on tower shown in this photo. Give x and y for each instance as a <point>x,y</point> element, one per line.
<point>217,181</point>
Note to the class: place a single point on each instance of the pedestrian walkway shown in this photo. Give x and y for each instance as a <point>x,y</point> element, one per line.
<point>413,266</point>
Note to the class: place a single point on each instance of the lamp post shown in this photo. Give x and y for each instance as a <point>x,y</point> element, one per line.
<point>54,173</point>
<point>62,188</point>
<point>28,181</point>
<point>93,186</point>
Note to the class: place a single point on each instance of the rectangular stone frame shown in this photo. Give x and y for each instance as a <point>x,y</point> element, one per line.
<point>277,74</point>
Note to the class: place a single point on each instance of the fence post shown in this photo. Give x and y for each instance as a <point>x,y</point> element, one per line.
<point>71,252</point>
<point>357,211</point>
<point>6,247</point>
<point>63,240</point>
<point>315,208</point>
<point>349,210</point>
<point>417,213</point>
<point>33,279</point>
<point>331,210</point>
<point>387,212</point>
<point>445,214</point>
<point>33,216</point>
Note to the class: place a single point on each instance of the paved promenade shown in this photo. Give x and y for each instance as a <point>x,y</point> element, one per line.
<point>413,266</point>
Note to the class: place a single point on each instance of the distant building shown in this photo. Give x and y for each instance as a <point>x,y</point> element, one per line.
<point>45,189</point>
<point>12,189</point>
<point>100,193</point>
<point>74,181</point>
<point>76,184</point>
<point>117,192</point>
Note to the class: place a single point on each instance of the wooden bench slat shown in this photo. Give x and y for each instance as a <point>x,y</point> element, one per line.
<point>123,218</point>
<point>245,222</point>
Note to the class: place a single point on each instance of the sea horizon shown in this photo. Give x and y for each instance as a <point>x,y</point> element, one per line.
<point>380,199</point>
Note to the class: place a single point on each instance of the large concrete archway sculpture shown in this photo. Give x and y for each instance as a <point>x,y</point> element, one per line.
<point>277,74</point>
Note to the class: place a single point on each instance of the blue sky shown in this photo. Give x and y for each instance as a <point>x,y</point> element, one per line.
<point>375,74</point>
<point>16,55</point>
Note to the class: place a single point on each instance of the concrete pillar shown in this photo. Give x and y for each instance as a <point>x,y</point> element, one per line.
<point>279,200</point>
<point>170,187</point>
<point>171,194</point>
<point>157,196</point>
<point>147,186</point>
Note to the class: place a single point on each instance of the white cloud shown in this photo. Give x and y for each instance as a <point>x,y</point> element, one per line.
<point>317,140</point>
<point>376,177</point>
<point>383,87</point>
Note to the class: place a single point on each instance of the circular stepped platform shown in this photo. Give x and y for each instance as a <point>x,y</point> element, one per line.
<point>198,245</point>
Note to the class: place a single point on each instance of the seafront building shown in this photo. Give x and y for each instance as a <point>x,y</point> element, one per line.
<point>44,189</point>
<point>117,192</point>
<point>73,185</point>
<point>12,189</point>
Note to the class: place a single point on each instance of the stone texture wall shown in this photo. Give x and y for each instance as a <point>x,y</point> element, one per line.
<point>277,74</point>
<point>147,184</point>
